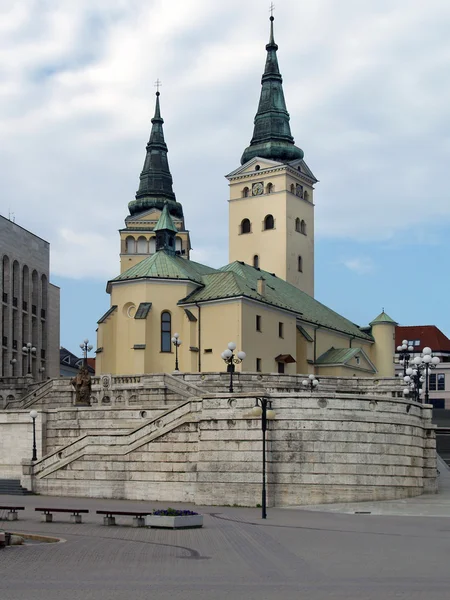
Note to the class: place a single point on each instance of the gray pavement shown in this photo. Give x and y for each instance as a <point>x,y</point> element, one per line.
<point>294,554</point>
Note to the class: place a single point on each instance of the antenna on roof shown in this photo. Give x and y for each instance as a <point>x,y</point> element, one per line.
<point>11,216</point>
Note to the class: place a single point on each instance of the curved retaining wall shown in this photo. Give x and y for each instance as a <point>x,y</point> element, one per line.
<point>321,448</point>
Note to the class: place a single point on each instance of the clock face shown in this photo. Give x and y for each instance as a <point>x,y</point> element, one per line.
<point>257,189</point>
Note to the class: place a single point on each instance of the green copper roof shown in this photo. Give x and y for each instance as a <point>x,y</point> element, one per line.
<point>165,221</point>
<point>338,356</point>
<point>163,265</point>
<point>383,318</point>
<point>239,280</point>
<point>272,133</point>
<point>155,186</point>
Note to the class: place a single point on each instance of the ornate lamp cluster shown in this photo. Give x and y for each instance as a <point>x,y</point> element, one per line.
<point>29,350</point>
<point>176,342</point>
<point>86,347</point>
<point>231,360</point>
<point>311,382</point>
<point>417,374</point>
<point>404,354</point>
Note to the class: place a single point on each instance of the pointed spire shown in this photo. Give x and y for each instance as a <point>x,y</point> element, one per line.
<point>155,187</point>
<point>272,133</point>
<point>165,232</point>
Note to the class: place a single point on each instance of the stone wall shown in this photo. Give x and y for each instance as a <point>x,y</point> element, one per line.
<point>321,448</point>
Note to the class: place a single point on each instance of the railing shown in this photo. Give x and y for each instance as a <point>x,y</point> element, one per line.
<point>123,442</point>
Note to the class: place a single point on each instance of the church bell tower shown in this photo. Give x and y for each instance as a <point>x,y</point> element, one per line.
<point>271,209</point>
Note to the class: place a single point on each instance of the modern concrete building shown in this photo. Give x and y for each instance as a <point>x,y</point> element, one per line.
<point>30,305</point>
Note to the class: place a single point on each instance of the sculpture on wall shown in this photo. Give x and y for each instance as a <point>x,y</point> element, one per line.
<point>82,384</point>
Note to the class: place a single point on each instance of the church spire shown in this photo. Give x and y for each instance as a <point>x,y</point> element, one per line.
<point>155,187</point>
<point>272,134</point>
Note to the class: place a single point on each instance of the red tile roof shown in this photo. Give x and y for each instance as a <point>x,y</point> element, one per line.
<point>91,362</point>
<point>428,335</point>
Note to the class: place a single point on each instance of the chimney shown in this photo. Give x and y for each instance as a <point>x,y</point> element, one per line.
<point>261,286</point>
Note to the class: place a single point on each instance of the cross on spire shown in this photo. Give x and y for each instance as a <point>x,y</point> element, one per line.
<point>158,84</point>
<point>272,8</point>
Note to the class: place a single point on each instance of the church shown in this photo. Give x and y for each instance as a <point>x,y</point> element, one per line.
<point>263,300</point>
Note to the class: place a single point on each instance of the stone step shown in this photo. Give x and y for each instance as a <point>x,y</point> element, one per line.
<point>12,487</point>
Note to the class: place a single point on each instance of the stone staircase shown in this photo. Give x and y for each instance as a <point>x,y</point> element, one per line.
<point>12,487</point>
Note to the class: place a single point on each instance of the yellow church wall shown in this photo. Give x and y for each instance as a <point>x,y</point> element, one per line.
<point>268,245</point>
<point>266,344</point>
<point>122,331</point>
<point>302,352</point>
<point>384,348</point>
<point>299,244</point>
<point>220,323</point>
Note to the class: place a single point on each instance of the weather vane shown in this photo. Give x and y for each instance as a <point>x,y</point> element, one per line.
<point>158,84</point>
<point>272,8</point>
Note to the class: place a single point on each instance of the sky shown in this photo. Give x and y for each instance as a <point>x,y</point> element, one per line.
<point>367,87</point>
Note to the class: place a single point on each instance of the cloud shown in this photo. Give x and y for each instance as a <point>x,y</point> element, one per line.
<point>365,83</point>
<point>359,265</point>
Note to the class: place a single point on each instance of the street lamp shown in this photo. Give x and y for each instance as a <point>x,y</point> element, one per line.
<point>33,415</point>
<point>230,359</point>
<point>29,349</point>
<point>176,342</point>
<point>418,373</point>
<point>311,382</point>
<point>404,354</point>
<point>13,362</point>
<point>263,409</point>
<point>86,347</point>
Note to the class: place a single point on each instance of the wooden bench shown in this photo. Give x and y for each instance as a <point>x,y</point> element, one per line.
<point>75,517</point>
<point>12,512</point>
<point>110,516</point>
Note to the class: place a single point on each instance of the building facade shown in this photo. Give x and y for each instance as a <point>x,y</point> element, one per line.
<point>263,300</point>
<point>420,337</point>
<point>30,305</point>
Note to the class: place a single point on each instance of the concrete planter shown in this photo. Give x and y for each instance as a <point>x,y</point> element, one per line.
<point>2,539</point>
<point>178,522</point>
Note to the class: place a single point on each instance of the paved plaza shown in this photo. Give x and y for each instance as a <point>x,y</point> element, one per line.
<point>295,554</point>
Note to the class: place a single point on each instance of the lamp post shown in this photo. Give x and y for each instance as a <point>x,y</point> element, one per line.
<point>231,359</point>
<point>29,349</point>
<point>311,382</point>
<point>418,373</point>
<point>86,347</point>
<point>404,355</point>
<point>13,364</point>
<point>33,415</point>
<point>176,342</point>
<point>263,409</point>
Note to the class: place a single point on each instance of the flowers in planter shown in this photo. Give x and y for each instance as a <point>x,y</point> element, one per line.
<point>173,512</point>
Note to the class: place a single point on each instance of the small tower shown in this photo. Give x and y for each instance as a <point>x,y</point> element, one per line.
<point>271,210</point>
<point>138,239</point>
<point>383,351</point>
<point>166,232</point>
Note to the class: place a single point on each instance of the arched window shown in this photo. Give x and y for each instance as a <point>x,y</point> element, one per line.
<point>297,225</point>
<point>245,192</point>
<point>300,264</point>
<point>299,190</point>
<point>131,245</point>
<point>269,222</point>
<point>303,227</point>
<point>178,245</point>
<point>306,195</point>
<point>142,246</point>
<point>246,226</point>
<point>152,245</point>
<point>166,329</point>
<point>292,188</point>
<point>257,167</point>
<point>269,188</point>
<point>256,261</point>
